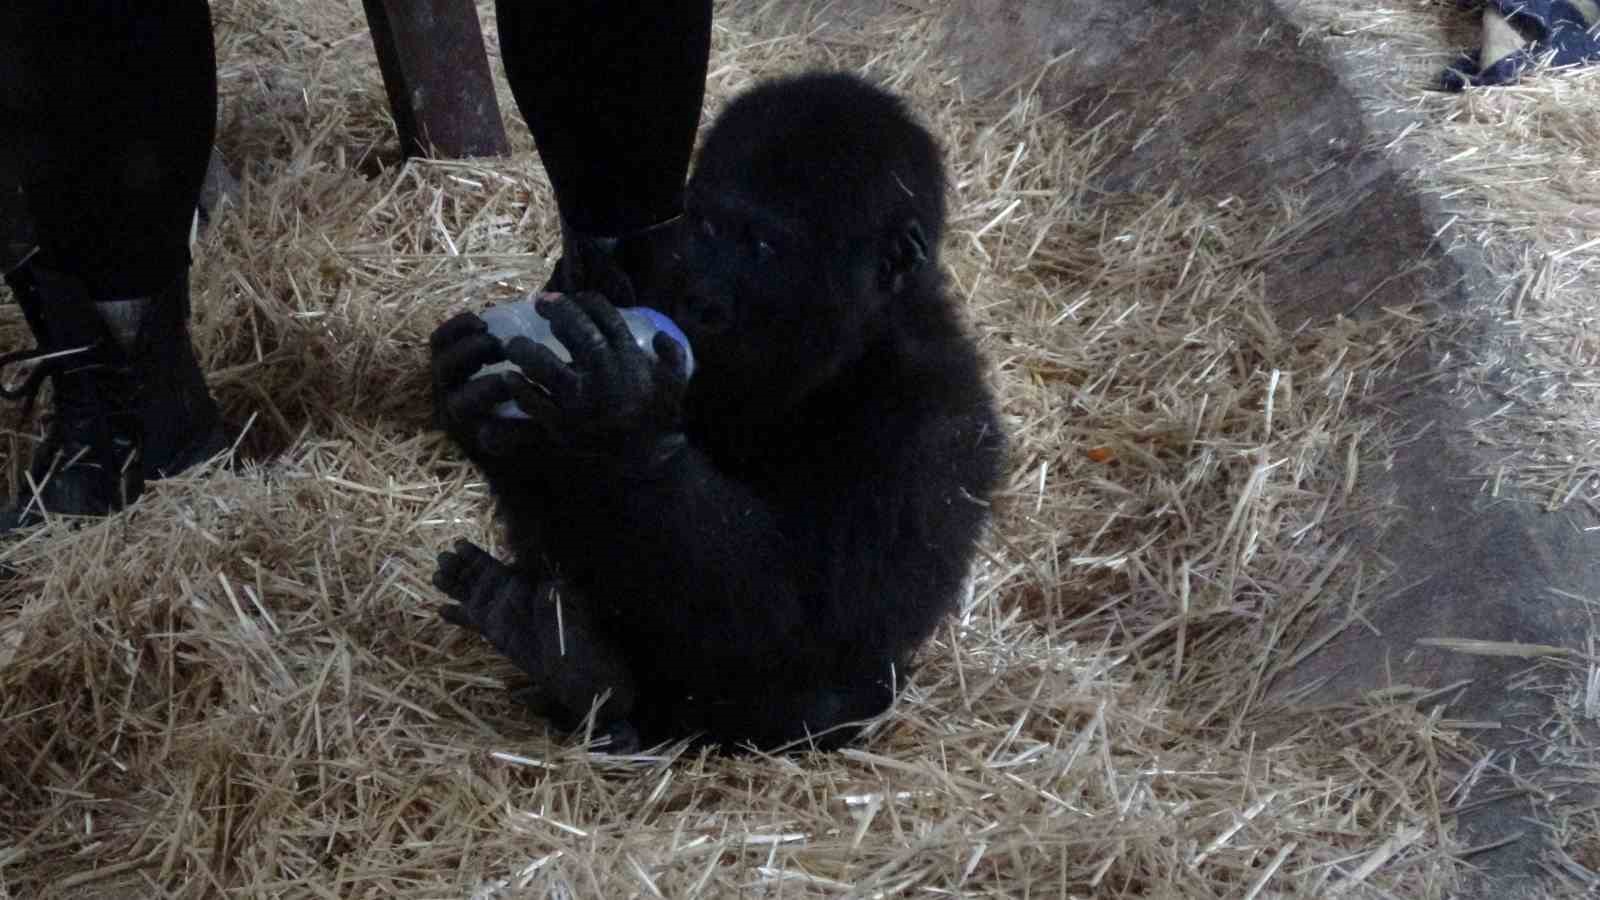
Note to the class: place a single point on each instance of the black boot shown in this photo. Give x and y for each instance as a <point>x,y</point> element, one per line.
<point>125,409</point>
<point>641,268</point>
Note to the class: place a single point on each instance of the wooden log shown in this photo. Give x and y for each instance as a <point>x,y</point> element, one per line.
<point>436,72</point>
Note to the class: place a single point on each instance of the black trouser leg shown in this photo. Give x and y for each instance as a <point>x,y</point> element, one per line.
<point>611,90</point>
<point>109,109</point>
<point>107,112</point>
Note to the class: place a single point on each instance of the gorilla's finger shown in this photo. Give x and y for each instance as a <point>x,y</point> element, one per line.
<point>617,738</point>
<point>446,564</point>
<point>591,267</point>
<point>505,440</point>
<point>671,355</point>
<point>454,329</point>
<point>536,697</point>
<point>617,287</point>
<point>456,362</point>
<point>540,365</point>
<point>532,397</point>
<point>472,554</point>
<point>576,330</point>
<point>461,568</point>
<point>449,576</point>
<point>456,614</point>
<point>607,318</point>
<point>476,398</point>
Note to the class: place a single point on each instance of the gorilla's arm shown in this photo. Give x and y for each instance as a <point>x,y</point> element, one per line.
<point>852,533</point>
<point>706,554</point>
<point>858,555</point>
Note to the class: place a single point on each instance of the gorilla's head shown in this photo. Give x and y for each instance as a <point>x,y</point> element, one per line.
<point>816,205</point>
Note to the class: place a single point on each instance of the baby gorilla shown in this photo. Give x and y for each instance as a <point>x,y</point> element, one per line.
<point>753,556</point>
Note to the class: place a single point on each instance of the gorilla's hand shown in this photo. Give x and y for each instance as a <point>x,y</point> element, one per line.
<point>613,401</point>
<point>464,407</point>
<point>492,600</point>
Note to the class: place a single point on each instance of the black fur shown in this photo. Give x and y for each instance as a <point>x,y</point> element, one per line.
<point>766,550</point>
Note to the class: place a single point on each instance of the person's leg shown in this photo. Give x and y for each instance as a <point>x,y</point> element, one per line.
<point>612,91</point>
<point>112,109</point>
<point>109,113</point>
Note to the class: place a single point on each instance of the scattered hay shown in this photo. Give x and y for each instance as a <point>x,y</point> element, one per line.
<point>1519,168</point>
<point>240,685</point>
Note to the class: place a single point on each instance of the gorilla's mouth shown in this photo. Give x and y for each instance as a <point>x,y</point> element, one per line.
<point>700,317</point>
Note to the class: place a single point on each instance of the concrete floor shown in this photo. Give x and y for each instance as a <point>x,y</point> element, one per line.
<point>1465,567</point>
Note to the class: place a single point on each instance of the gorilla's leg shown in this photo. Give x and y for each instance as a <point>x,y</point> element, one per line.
<point>549,633</point>
<point>816,718</point>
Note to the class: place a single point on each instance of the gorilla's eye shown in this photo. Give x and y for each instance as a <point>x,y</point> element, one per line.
<point>765,250</point>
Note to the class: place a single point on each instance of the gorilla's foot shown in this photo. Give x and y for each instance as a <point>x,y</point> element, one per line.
<point>548,631</point>
<point>617,737</point>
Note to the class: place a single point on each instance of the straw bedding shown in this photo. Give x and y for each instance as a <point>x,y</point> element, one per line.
<point>1516,169</point>
<point>1519,167</point>
<point>240,686</point>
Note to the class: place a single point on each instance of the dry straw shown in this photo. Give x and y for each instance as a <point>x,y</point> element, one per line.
<point>1520,168</point>
<point>240,686</point>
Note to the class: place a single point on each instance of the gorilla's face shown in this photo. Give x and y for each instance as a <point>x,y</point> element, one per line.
<point>773,304</point>
<point>816,202</point>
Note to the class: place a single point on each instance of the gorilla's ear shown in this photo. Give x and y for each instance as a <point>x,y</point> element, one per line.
<point>906,252</point>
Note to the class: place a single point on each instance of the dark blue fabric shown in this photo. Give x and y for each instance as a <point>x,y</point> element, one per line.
<point>1552,25</point>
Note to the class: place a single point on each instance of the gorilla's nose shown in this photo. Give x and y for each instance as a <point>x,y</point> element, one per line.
<point>700,313</point>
